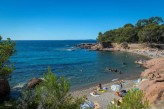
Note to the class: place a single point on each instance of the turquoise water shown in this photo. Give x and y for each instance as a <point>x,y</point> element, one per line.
<point>81,67</point>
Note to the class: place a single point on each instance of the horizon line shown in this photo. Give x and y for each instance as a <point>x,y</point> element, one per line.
<point>50,39</point>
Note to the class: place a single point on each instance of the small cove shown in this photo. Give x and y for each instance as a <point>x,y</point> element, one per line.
<point>81,67</point>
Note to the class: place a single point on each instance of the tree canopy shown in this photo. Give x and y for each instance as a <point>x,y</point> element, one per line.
<point>7,48</point>
<point>144,31</point>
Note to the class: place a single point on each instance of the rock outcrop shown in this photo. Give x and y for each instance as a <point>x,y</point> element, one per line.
<point>154,91</point>
<point>154,86</point>
<point>124,45</point>
<point>33,82</point>
<point>85,45</point>
<point>106,45</point>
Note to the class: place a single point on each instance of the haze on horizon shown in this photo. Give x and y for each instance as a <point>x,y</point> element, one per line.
<point>71,19</point>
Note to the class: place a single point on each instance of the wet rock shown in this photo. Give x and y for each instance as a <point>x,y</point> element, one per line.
<point>33,82</point>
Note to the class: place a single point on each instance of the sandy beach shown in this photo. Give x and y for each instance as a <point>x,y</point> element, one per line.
<point>151,53</point>
<point>106,97</point>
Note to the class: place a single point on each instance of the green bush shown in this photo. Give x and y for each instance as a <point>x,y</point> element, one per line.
<point>132,100</point>
<point>52,93</point>
<point>7,49</point>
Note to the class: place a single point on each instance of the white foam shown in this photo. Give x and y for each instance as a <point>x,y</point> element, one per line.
<point>70,49</point>
<point>19,85</point>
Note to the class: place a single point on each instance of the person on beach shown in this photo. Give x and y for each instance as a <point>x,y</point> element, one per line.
<point>121,94</point>
<point>117,102</point>
<point>120,72</point>
<point>117,94</point>
<point>158,75</point>
<point>120,83</point>
<point>99,87</point>
<point>95,92</point>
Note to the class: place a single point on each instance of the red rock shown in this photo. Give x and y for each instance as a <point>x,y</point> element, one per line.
<point>154,91</point>
<point>154,86</point>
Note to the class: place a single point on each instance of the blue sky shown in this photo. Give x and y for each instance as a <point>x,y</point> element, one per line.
<point>71,19</point>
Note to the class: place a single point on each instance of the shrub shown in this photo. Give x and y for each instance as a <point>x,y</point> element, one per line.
<point>7,48</point>
<point>52,93</point>
<point>132,100</point>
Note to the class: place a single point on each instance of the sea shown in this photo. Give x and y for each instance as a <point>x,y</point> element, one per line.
<point>81,67</point>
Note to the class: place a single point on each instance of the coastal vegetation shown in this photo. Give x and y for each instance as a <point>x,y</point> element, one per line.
<point>52,93</point>
<point>144,31</point>
<point>134,99</point>
<point>7,48</point>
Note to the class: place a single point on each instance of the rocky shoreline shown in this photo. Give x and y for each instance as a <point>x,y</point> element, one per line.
<point>141,49</point>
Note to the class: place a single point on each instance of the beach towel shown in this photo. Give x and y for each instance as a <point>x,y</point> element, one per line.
<point>114,79</point>
<point>87,104</point>
<point>101,90</point>
<point>84,106</point>
<point>104,88</point>
<point>94,94</point>
<point>115,87</point>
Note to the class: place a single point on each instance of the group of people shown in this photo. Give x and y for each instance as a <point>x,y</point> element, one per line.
<point>120,94</point>
<point>100,89</point>
<point>153,75</point>
<point>113,70</point>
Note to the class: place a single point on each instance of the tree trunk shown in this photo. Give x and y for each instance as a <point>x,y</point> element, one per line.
<point>4,89</point>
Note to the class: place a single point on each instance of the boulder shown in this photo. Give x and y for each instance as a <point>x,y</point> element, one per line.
<point>4,89</point>
<point>124,45</point>
<point>97,47</point>
<point>154,91</point>
<point>154,86</point>
<point>33,82</point>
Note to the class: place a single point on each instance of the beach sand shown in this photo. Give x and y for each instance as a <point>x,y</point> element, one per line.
<point>106,97</point>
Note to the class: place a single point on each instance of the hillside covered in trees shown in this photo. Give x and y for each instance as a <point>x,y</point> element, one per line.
<point>144,31</point>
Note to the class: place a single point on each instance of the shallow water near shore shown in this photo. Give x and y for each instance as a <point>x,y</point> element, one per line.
<point>81,67</point>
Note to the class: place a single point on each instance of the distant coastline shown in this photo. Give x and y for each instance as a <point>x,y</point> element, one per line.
<point>140,49</point>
